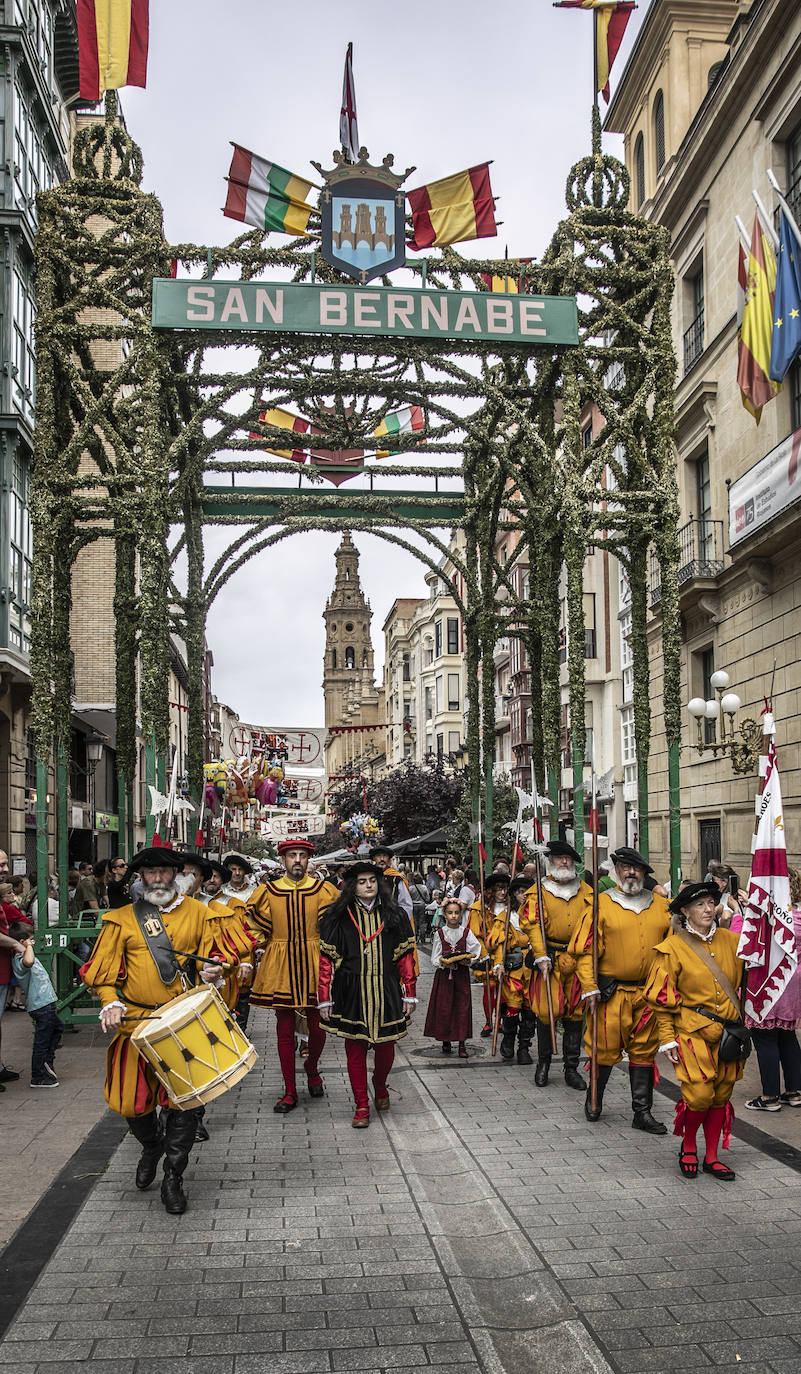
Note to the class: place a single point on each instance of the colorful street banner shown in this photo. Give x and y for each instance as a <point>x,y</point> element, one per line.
<point>756,330</point>
<point>296,745</point>
<point>348,123</point>
<point>284,419</point>
<point>265,195</point>
<point>765,490</point>
<point>408,420</point>
<point>611,18</point>
<point>767,942</point>
<point>112,45</point>
<point>453,210</point>
<point>284,827</point>
<point>315,308</point>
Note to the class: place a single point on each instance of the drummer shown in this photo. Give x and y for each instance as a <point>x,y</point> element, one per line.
<point>137,966</point>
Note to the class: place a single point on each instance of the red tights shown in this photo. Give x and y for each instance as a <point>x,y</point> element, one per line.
<point>713,1119</point>
<point>356,1054</point>
<point>285,1018</point>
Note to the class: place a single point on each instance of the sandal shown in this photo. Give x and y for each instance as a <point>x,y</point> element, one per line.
<point>382,1101</point>
<point>792,1099</point>
<point>285,1104</point>
<point>718,1170</point>
<point>688,1162</point>
<point>766,1104</point>
<point>361,1119</point>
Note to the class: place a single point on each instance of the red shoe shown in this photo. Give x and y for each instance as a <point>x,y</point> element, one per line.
<point>361,1119</point>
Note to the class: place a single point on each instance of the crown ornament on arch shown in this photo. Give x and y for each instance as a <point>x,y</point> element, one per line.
<point>343,170</point>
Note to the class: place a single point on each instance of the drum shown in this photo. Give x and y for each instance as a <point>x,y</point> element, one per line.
<point>195,1047</point>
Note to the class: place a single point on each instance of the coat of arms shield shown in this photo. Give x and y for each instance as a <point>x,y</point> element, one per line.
<point>363,215</point>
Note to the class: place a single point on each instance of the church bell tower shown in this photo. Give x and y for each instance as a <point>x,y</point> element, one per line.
<point>348,663</point>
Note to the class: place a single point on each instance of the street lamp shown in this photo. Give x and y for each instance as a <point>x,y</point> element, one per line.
<point>94,753</point>
<point>744,751</point>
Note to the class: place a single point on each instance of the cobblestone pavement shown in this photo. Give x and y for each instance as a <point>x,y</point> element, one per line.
<point>481,1224</point>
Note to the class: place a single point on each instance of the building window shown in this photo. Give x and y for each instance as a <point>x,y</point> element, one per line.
<point>438,639</point>
<point>349,657</point>
<point>438,688</point>
<point>590,637</point>
<point>453,741</point>
<point>333,658</point>
<point>407,668</point>
<point>24,317</point>
<point>659,131</point>
<point>453,635</point>
<point>639,171</point>
<point>33,166</point>
<point>20,555</point>
<point>586,435</point>
<point>794,172</point>
<point>453,691</point>
<point>626,657</point>
<point>440,746</point>
<point>428,653</point>
<point>628,744</point>
<point>429,703</point>
<point>694,334</point>
<point>707,665</point>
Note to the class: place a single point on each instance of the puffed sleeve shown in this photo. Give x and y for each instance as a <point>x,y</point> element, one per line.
<point>581,949</point>
<point>530,924</point>
<point>212,944</point>
<point>105,967</point>
<point>662,992</point>
<point>258,916</point>
<point>495,937</point>
<point>436,949</point>
<point>328,895</point>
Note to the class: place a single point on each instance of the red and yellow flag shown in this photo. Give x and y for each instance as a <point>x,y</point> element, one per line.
<point>112,45</point>
<point>453,210</point>
<point>756,329</point>
<point>611,18</point>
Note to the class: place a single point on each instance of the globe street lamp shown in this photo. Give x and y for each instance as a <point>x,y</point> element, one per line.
<point>744,751</point>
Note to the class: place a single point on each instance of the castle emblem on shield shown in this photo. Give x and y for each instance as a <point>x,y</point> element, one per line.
<point>363,214</point>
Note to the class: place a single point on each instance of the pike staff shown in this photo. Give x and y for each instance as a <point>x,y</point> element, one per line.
<point>484,927</point>
<point>515,851</point>
<point>541,915</point>
<point>594,1013</point>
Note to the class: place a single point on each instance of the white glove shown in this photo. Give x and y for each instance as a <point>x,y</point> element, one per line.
<point>544,962</point>
<point>211,973</point>
<point>498,971</point>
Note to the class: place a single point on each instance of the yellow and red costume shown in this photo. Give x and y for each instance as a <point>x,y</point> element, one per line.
<point>562,917</point>
<point>285,915</point>
<point>515,984</point>
<point>629,929</point>
<point>678,983</point>
<point>121,969</point>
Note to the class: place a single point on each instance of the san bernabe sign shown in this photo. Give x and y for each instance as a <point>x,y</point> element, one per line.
<point>312,308</point>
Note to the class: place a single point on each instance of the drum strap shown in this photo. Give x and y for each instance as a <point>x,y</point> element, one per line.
<point>158,942</point>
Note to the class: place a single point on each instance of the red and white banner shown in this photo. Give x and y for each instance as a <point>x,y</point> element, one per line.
<point>348,123</point>
<point>767,943</point>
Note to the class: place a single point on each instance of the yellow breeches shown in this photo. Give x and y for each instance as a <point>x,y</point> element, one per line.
<point>132,1088</point>
<point>627,1023</point>
<point>705,1080</point>
<point>565,992</point>
<point>514,990</point>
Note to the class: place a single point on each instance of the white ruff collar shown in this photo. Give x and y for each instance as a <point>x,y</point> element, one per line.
<point>564,890</point>
<point>635,902</point>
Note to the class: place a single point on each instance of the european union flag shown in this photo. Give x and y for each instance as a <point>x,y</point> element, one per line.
<point>786,338</point>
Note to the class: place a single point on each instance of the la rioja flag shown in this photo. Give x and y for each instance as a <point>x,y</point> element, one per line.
<point>767,943</point>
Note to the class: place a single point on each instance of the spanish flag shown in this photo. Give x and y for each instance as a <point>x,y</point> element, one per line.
<point>284,419</point>
<point>611,18</point>
<point>756,329</point>
<point>453,210</point>
<point>112,45</point>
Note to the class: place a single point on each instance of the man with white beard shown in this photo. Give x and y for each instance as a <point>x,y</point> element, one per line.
<point>566,901</point>
<point>631,921</point>
<point>135,968</point>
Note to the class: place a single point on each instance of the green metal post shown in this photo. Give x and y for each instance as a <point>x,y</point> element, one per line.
<point>41,837</point>
<point>674,806</point>
<point>488,806</point>
<point>62,831</point>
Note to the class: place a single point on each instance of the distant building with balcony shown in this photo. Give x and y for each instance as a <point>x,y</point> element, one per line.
<point>709,101</point>
<point>424,681</point>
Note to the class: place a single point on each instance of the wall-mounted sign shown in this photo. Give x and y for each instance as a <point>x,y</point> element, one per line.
<point>768,488</point>
<point>284,827</point>
<point>306,308</point>
<point>104,820</point>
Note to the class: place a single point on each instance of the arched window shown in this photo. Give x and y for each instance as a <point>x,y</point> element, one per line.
<point>659,131</point>
<point>364,658</point>
<point>347,574</point>
<point>350,661</point>
<point>639,171</point>
<point>333,658</point>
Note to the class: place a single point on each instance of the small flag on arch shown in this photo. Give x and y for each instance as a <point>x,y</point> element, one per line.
<point>284,419</point>
<point>405,421</point>
<point>265,195</point>
<point>112,45</point>
<point>453,210</point>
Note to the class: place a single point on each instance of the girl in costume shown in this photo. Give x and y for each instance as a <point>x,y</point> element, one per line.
<point>692,988</point>
<point>367,979</point>
<point>454,949</point>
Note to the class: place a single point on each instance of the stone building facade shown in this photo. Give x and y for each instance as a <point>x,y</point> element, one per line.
<point>349,691</point>
<point>709,101</point>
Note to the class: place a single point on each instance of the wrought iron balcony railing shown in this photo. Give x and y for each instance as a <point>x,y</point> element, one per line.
<point>694,341</point>
<point>700,554</point>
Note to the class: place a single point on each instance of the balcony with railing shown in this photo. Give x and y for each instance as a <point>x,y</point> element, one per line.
<point>700,555</point>
<point>694,341</point>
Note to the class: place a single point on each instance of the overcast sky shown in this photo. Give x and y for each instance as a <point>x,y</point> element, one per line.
<point>442,84</point>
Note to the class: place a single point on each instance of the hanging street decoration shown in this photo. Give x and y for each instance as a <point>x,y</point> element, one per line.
<point>363,217</point>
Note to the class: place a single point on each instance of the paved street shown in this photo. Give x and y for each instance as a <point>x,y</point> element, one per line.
<point>481,1224</point>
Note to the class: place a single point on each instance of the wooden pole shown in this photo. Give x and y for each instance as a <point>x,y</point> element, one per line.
<point>541,914</point>
<point>594,1026</point>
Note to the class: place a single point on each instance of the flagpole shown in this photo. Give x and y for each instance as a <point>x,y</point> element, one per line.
<point>743,232</point>
<point>785,207</point>
<point>765,220</point>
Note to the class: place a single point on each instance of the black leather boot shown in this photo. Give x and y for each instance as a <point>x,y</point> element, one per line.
<point>147,1131</point>
<point>642,1100</point>
<point>604,1070</point>
<point>509,1025</point>
<point>571,1053</point>
<point>527,1024</point>
<point>179,1137</point>
<point>544,1050</point>
<point>201,1129</point>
